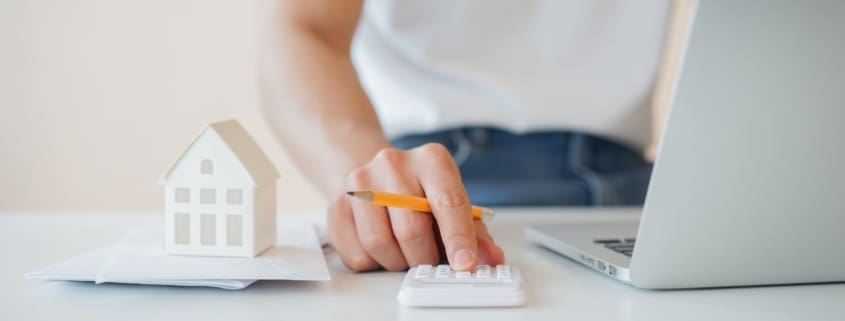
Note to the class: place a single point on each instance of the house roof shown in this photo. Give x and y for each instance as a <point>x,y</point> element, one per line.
<point>253,159</point>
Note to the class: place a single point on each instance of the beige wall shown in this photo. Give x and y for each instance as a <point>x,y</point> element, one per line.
<point>98,97</point>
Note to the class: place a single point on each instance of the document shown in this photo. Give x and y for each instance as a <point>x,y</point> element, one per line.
<point>139,258</point>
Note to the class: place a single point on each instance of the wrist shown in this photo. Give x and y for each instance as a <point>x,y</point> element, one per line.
<point>360,148</point>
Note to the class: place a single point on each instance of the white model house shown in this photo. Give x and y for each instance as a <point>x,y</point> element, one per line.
<point>220,196</point>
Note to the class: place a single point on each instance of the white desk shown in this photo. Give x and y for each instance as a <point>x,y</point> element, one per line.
<point>559,289</point>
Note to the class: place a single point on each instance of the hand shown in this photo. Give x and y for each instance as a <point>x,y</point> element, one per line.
<point>369,237</point>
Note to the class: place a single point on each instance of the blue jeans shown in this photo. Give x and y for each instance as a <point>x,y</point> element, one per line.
<point>542,168</point>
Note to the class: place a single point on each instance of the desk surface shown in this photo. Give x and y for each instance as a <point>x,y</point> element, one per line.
<point>558,288</point>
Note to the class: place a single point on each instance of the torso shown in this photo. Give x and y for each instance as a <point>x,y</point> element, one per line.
<point>526,65</point>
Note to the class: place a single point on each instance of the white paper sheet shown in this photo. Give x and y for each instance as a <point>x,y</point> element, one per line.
<point>85,267</point>
<point>297,256</point>
<point>139,259</point>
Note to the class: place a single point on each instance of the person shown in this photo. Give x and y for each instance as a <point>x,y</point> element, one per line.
<point>507,103</point>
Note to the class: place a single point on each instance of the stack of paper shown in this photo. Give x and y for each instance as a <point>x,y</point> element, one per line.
<point>139,259</point>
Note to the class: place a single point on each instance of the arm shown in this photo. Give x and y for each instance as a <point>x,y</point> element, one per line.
<point>322,115</point>
<point>311,92</point>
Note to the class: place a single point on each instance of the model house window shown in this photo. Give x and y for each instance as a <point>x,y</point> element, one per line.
<point>207,167</point>
<point>208,229</point>
<point>234,230</point>
<point>182,228</point>
<point>183,195</point>
<point>234,196</point>
<point>208,196</point>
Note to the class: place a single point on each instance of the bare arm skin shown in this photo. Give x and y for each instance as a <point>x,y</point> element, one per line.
<point>311,92</point>
<point>323,117</point>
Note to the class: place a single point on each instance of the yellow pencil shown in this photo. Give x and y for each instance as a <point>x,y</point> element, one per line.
<point>419,204</point>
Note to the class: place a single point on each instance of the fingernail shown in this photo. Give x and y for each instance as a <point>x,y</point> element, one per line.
<point>463,259</point>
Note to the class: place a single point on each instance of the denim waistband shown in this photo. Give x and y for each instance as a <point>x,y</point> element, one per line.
<point>487,153</point>
<point>463,141</point>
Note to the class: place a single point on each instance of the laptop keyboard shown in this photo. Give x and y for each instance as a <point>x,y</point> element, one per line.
<point>623,246</point>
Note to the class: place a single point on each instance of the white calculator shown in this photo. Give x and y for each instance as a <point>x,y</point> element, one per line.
<point>440,286</point>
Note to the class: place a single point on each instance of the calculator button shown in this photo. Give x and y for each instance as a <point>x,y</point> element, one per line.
<point>442,271</point>
<point>482,271</point>
<point>503,268</point>
<point>422,271</point>
<point>503,272</point>
<point>462,275</point>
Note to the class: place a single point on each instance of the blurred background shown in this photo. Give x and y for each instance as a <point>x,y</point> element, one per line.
<point>99,97</point>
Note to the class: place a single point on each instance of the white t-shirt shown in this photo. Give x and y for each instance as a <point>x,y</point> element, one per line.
<point>522,65</point>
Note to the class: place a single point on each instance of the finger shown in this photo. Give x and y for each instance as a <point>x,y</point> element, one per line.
<point>440,248</point>
<point>414,231</point>
<point>488,251</point>
<point>374,230</point>
<point>344,238</point>
<point>441,181</point>
<point>415,234</point>
<point>376,236</point>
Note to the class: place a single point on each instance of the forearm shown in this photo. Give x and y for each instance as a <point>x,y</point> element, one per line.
<point>316,105</point>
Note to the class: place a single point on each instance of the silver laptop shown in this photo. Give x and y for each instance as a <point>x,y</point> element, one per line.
<point>749,184</point>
